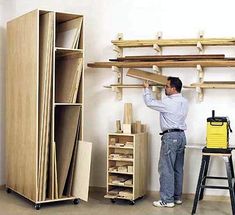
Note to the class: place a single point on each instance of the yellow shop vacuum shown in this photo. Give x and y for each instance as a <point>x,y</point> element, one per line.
<point>218,129</point>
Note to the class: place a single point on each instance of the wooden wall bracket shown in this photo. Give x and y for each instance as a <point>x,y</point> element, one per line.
<point>116,48</point>
<point>156,47</point>
<point>200,73</point>
<point>199,90</point>
<point>200,93</point>
<point>156,89</point>
<point>119,72</point>
<point>199,44</point>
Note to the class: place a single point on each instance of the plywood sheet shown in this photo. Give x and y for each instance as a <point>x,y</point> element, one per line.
<point>156,78</point>
<point>56,191</point>
<point>51,184</point>
<point>76,82</point>
<point>69,181</point>
<point>45,79</point>
<point>66,70</point>
<point>66,122</point>
<point>82,171</point>
<point>68,33</point>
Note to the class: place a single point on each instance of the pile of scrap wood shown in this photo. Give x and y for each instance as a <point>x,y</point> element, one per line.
<point>128,126</point>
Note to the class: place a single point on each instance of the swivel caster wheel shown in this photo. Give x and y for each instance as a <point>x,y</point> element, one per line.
<point>132,202</point>
<point>76,201</point>
<point>37,206</point>
<point>113,200</point>
<point>8,190</point>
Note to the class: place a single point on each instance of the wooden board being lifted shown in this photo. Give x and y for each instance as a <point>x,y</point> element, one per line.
<point>156,78</point>
<point>168,57</point>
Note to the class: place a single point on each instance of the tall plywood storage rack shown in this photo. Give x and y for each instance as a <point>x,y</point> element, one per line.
<point>46,157</point>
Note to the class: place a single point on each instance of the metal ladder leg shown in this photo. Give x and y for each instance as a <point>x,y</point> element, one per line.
<point>230,173</point>
<point>207,160</point>
<point>198,189</point>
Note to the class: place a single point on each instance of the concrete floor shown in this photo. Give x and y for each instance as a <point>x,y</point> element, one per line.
<point>13,204</point>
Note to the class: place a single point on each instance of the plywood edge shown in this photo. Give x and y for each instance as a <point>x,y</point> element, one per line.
<point>22,16</point>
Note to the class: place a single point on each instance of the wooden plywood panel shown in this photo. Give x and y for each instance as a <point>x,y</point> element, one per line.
<point>82,171</point>
<point>22,104</point>
<point>68,33</point>
<point>136,73</point>
<point>68,75</point>
<point>65,134</point>
<point>140,165</point>
<point>45,79</point>
<point>51,184</point>
<point>70,178</point>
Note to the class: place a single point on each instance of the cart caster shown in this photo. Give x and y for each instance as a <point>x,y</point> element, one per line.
<point>76,201</point>
<point>132,202</point>
<point>37,206</point>
<point>8,190</point>
<point>113,200</point>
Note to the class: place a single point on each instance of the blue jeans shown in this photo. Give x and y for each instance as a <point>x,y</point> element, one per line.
<point>170,166</point>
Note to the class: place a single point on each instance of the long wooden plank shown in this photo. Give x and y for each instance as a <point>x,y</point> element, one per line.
<point>216,85</point>
<point>129,86</point>
<point>65,134</point>
<point>174,42</point>
<point>82,171</point>
<point>168,57</point>
<point>170,64</point>
<point>156,78</point>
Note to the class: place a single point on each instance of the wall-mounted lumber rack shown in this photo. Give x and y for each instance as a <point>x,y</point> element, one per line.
<point>159,61</point>
<point>174,42</point>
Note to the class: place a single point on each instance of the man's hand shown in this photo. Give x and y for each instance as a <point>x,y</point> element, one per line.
<point>146,84</point>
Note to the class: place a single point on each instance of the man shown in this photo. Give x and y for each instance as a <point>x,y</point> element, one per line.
<point>173,111</point>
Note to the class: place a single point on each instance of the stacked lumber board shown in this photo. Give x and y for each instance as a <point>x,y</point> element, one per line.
<point>174,42</point>
<point>166,61</point>
<point>168,57</point>
<point>45,98</point>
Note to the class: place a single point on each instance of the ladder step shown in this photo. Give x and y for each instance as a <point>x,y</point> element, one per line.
<point>215,187</point>
<point>215,177</point>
